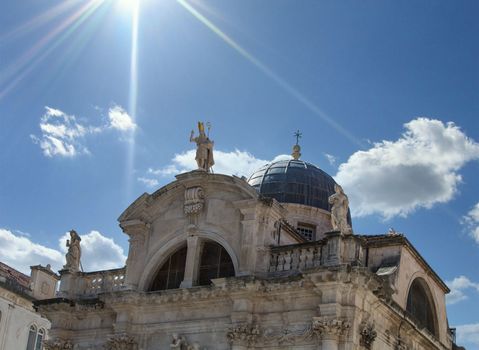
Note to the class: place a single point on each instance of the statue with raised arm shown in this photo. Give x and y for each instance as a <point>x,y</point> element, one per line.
<point>339,211</point>
<point>74,252</point>
<point>204,148</point>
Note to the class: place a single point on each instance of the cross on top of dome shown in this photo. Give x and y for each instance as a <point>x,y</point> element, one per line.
<point>296,148</point>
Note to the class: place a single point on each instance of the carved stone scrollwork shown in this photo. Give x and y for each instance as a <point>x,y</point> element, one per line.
<point>368,334</point>
<point>57,344</point>
<point>244,334</point>
<point>194,200</point>
<point>332,327</point>
<point>121,342</point>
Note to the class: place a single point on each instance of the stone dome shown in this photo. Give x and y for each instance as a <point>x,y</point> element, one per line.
<point>294,181</point>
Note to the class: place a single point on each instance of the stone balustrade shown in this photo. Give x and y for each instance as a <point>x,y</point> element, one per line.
<point>295,257</point>
<point>92,283</point>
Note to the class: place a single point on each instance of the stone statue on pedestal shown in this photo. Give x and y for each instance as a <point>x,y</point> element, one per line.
<point>204,148</point>
<point>74,252</point>
<point>339,211</point>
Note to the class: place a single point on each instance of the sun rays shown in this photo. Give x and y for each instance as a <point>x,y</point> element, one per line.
<point>19,69</point>
<point>271,74</point>
<point>133,91</point>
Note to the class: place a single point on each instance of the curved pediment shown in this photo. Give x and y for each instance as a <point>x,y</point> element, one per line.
<point>148,206</point>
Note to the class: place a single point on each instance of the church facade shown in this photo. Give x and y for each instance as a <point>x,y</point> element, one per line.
<point>222,262</point>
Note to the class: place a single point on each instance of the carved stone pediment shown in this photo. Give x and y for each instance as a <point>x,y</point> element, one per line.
<point>194,200</point>
<point>57,344</point>
<point>121,342</point>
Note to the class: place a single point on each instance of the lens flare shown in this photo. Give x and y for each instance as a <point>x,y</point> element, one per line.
<point>18,70</point>
<point>133,94</point>
<point>271,74</point>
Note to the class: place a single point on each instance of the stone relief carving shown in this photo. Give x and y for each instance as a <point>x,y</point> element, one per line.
<point>335,327</point>
<point>57,344</point>
<point>179,342</point>
<point>339,211</point>
<point>244,334</point>
<point>74,252</point>
<point>121,342</point>
<point>249,334</point>
<point>194,200</point>
<point>368,334</point>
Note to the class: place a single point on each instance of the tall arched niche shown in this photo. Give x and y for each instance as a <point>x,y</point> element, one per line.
<point>420,305</point>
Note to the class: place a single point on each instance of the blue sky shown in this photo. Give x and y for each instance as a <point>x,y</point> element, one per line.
<point>97,102</point>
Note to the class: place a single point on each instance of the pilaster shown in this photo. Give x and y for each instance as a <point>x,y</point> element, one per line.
<point>138,231</point>
<point>192,261</point>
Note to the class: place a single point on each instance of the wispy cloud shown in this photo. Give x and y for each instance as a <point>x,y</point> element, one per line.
<point>63,135</point>
<point>468,334</point>
<point>459,287</point>
<point>471,221</point>
<point>120,119</point>
<point>420,169</point>
<point>149,182</point>
<point>331,159</point>
<point>98,252</point>
<point>239,163</point>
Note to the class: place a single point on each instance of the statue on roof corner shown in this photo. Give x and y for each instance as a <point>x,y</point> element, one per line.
<point>204,148</point>
<point>74,252</point>
<point>339,211</point>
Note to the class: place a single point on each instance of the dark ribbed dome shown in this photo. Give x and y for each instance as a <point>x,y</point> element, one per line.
<point>294,181</point>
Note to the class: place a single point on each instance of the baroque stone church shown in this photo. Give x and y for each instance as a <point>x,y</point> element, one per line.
<point>269,262</point>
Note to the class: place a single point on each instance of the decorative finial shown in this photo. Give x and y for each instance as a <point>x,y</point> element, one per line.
<point>204,147</point>
<point>296,148</point>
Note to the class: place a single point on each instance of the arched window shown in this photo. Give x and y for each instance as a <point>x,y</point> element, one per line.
<point>215,263</point>
<point>420,305</point>
<point>39,342</point>
<point>171,272</point>
<point>35,339</point>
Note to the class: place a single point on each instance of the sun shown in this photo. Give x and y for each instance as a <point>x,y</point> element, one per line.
<point>127,5</point>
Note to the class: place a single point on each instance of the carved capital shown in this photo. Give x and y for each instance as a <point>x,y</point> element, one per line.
<point>368,334</point>
<point>121,342</point>
<point>330,327</point>
<point>57,344</point>
<point>243,334</point>
<point>194,200</point>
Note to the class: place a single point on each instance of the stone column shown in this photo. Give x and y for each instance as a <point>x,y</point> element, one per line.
<point>192,261</point>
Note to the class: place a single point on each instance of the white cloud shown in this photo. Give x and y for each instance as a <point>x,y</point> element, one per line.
<point>419,169</point>
<point>239,163</point>
<point>331,159</point>
<point>98,252</point>
<point>61,134</point>
<point>471,220</point>
<point>120,119</point>
<point>458,287</point>
<point>468,334</point>
<point>21,253</point>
